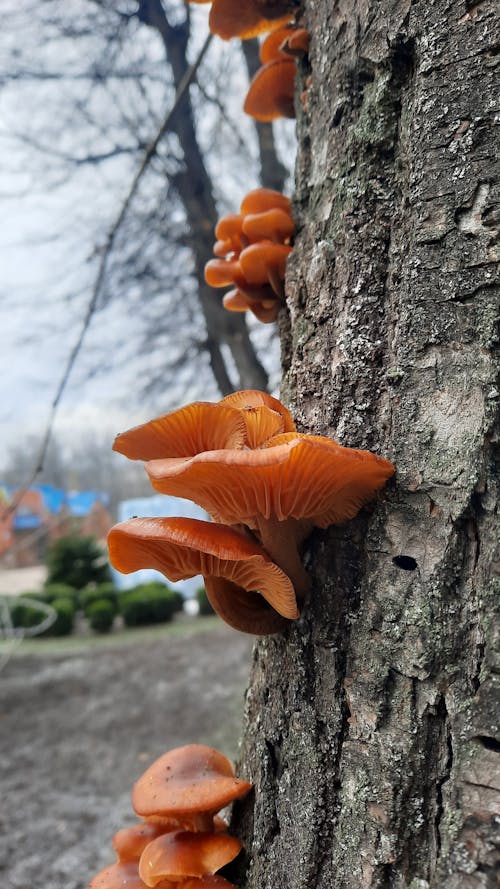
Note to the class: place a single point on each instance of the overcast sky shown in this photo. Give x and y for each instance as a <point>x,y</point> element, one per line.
<point>47,242</point>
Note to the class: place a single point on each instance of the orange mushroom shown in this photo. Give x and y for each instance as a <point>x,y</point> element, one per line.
<point>175,856</point>
<point>280,491</point>
<point>249,398</point>
<point>229,230</point>
<point>265,263</point>
<point>232,19</point>
<point>188,785</point>
<point>130,842</point>
<point>261,199</point>
<point>265,310</point>
<point>270,48</point>
<point>271,91</point>
<point>296,42</point>
<point>271,225</point>
<point>200,426</point>
<point>236,568</point>
<point>123,875</point>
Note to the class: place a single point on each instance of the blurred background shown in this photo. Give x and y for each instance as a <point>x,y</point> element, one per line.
<point>103,310</point>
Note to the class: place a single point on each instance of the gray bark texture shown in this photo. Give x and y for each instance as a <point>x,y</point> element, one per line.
<point>371,727</point>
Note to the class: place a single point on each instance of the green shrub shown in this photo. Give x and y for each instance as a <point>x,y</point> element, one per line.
<point>37,595</point>
<point>65,613</point>
<point>24,615</point>
<point>105,591</point>
<point>101,614</point>
<point>204,606</point>
<point>178,601</point>
<point>149,603</point>
<point>60,591</point>
<point>77,561</point>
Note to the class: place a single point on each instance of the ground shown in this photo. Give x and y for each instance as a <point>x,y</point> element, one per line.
<point>80,720</point>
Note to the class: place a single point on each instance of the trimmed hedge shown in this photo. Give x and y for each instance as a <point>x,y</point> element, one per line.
<point>101,615</point>
<point>149,603</point>
<point>105,591</point>
<point>63,624</point>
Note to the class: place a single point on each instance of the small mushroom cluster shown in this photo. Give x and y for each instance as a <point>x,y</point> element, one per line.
<point>181,842</point>
<point>229,18</point>
<point>252,248</point>
<point>272,89</point>
<point>265,485</point>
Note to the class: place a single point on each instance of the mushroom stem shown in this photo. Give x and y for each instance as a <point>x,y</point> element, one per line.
<point>281,540</point>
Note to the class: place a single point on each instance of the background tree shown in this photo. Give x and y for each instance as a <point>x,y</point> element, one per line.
<point>370,729</point>
<point>116,68</point>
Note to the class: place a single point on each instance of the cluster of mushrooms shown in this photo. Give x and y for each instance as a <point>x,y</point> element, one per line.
<point>248,19</point>
<point>265,485</point>
<point>271,92</point>
<point>252,248</point>
<point>181,842</point>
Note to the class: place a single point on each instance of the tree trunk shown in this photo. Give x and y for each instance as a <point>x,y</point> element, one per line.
<point>195,190</point>
<point>370,724</point>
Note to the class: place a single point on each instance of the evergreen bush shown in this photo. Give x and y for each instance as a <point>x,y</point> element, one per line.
<point>150,603</point>
<point>104,591</point>
<point>65,614</point>
<point>77,561</point>
<point>101,614</point>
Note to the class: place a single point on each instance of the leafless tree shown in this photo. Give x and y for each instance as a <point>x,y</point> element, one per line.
<point>111,69</point>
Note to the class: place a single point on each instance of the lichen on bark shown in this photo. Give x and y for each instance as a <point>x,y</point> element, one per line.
<point>371,730</point>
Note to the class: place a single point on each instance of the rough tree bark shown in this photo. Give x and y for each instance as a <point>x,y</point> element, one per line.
<point>370,728</point>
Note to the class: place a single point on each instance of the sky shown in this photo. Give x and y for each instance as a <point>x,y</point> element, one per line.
<point>48,261</point>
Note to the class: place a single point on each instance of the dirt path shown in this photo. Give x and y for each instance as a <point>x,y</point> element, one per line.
<point>76,730</point>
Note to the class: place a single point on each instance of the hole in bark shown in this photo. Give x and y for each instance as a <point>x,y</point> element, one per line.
<point>407,563</point>
<point>489,743</point>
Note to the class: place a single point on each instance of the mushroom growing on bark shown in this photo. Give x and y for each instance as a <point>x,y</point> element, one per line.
<point>183,841</point>
<point>230,18</point>
<point>243,584</point>
<point>251,251</point>
<point>180,854</point>
<point>271,91</point>
<point>280,491</point>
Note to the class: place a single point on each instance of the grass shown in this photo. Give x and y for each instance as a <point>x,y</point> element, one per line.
<point>183,626</point>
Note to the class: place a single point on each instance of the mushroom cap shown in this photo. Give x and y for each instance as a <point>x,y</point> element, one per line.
<point>232,19</point>
<point>262,424</point>
<point>130,842</point>
<point>261,199</point>
<point>271,91</point>
<point>187,781</point>
<point>235,301</point>
<point>271,225</point>
<point>265,310</point>
<point>270,48</point>
<point>248,398</point>
<point>296,42</point>
<point>221,272</point>
<point>181,548</point>
<point>242,610</point>
<point>306,477</point>
<point>123,875</point>
<point>200,426</point>
<point>230,228</point>
<point>258,261</point>
<point>174,856</point>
